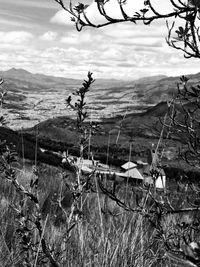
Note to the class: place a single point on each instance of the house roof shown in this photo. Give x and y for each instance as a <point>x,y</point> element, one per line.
<point>134,173</point>
<point>128,165</point>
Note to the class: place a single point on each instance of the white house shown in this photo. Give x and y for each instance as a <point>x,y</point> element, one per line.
<point>130,171</point>
<point>142,171</point>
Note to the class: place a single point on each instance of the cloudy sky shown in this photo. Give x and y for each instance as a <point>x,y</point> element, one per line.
<point>39,37</point>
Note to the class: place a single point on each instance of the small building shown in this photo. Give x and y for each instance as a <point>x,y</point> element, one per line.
<point>128,165</point>
<point>160,182</point>
<point>130,171</point>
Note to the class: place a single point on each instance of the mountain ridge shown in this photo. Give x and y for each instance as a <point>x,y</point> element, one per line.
<point>36,97</point>
<point>19,72</point>
<point>25,75</point>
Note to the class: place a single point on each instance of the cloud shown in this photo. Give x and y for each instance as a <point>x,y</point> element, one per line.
<point>49,36</point>
<point>45,4</point>
<point>14,23</point>
<point>112,9</point>
<point>114,62</point>
<point>89,39</point>
<point>62,17</point>
<point>12,15</point>
<point>15,37</point>
<point>142,42</point>
<point>125,50</point>
<point>130,7</point>
<point>71,39</point>
<point>131,30</point>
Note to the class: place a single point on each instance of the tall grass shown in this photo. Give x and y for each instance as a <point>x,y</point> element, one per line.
<point>113,237</point>
<point>104,234</point>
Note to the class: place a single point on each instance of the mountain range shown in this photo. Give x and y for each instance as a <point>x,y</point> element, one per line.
<point>32,98</point>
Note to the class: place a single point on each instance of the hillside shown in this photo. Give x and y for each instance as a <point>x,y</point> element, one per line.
<point>26,147</point>
<point>116,133</point>
<point>60,134</point>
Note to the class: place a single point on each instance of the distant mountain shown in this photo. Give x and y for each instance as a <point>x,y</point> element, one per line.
<point>40,79</point>
<point>15,73</point>
<point>150,79</point>
<point>37,97</point>
<point>149,86</point>
<point>43,79</point>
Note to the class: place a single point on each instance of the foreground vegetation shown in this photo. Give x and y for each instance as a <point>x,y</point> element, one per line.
<point>103,234</point>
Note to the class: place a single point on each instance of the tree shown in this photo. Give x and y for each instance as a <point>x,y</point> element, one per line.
<point>186,13</point>
<point>184,120</point>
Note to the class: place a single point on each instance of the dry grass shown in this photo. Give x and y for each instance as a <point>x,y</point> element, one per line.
<point>104,234</point>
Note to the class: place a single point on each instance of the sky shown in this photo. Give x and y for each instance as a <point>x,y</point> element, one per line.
<point>39,36</point>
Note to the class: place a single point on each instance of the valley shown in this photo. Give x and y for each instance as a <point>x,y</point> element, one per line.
<point>33,98</point>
